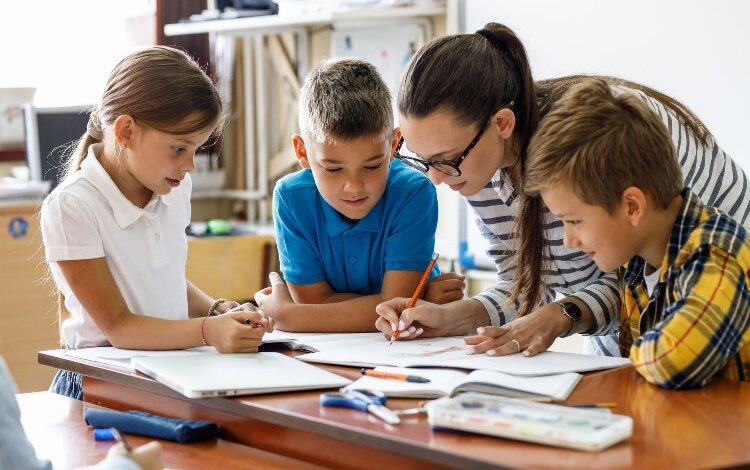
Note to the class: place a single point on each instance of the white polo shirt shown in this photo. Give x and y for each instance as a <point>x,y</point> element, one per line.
<point>87,217</point>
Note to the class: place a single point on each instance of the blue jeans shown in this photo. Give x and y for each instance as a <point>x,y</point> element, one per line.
<point>67,383</point>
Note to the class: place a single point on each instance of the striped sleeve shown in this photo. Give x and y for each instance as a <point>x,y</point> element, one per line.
<point>496,299</point>
<point>707,170</point>
<point>603,298</point>
<point>704,328</point>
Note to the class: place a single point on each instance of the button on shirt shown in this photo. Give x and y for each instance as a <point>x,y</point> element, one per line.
<point>317,244</point>
<point>87,217</point>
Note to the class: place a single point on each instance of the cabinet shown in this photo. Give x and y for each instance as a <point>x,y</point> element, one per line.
<point>28,299</point>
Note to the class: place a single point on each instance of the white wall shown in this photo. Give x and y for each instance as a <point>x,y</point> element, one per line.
<point>694,50</point>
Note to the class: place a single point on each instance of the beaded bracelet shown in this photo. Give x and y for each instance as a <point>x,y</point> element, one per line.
<point>211,313</point>
<point>212,310</point>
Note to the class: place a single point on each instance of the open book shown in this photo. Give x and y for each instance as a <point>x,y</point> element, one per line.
<point>446,382</point>
<point>316,342</point>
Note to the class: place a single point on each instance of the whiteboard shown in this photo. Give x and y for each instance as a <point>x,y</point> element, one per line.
<point>693,50</point>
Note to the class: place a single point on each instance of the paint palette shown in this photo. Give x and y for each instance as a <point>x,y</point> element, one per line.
<point>555,425</point>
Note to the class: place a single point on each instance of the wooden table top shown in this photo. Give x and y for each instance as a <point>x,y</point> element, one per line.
<point>706,428</point>
<point>58,432</point>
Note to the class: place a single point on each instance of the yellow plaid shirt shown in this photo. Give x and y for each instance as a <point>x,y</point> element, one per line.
<point>696,323</point>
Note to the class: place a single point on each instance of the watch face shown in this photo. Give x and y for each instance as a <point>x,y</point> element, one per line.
<point>572,310</point>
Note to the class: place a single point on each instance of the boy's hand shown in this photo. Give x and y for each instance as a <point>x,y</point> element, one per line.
<point>273,300</point>
<point>424,319</point>
<point>238,331</point>
<point>147,456</point>
<point>445,288</point>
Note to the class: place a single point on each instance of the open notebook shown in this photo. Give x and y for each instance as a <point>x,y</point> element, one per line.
<point>218,375</point>
<point>446,382</point>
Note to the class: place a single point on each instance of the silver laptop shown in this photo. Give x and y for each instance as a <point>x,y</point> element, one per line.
<point>219,375</point>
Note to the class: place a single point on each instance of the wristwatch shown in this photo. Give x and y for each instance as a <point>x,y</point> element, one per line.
<point>572,311</point>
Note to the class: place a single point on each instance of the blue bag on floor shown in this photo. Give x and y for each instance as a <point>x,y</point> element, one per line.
<point>145,424</point>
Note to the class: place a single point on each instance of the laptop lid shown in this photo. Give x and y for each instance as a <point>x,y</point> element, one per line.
<point>214,375</point>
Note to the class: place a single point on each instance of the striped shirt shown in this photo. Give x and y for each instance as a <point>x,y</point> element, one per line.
<point>711,174</point>
<point>696,323</point>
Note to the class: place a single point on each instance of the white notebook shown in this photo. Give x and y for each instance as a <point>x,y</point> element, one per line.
<point>446,382</point>
<point>218,375</point>
<point>122,358</point>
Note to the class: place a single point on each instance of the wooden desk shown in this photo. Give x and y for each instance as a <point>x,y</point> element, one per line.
<point>689,429</point>
<point>56,429</point>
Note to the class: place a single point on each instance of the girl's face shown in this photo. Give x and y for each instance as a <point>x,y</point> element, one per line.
<point>440,137</point>
<point>154,162</point>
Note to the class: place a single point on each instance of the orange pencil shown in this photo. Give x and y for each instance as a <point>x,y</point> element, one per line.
<point>418,290</point>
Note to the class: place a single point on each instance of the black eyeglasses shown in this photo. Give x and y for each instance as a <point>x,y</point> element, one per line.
<point>449,167</point>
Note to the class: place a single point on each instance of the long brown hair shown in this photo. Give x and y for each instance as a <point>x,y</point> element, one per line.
<point>470,75</point>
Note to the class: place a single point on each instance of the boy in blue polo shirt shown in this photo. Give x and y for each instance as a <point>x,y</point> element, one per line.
<point>354,227</point>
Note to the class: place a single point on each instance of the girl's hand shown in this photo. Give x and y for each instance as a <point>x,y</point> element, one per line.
<point>266,322</point>
<point>445,288</point>
<point>147,456</point>
<point>237,331</point>
<point>531,334</point>
<point>224,307</point>
<point>424,319</point>
<point>273,300</point>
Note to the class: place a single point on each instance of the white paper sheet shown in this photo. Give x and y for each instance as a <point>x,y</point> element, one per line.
<point>451,352</point>
<point>122,357</point>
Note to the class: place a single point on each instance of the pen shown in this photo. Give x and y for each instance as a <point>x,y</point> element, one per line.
<point>392,375</point>
<point>418,290</point>
<point>121,438</point>
<point>595,405</point>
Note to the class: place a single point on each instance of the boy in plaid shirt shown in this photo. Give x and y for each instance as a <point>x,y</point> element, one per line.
<point>603,163</point>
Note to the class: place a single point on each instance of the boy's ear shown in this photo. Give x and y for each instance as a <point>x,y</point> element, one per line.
<point>300,151</point>
<point>635,204</point>
<point>504,122</point>
<point>123,128</point>
<point>395,138</point>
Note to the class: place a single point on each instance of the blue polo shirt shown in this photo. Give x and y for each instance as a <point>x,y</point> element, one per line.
<point>317,244</point>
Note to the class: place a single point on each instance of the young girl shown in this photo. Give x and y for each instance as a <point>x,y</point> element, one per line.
<point>114,229</point>
<point>469,107</point>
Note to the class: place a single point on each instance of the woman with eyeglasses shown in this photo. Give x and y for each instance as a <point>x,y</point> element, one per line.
<point>468,108</point>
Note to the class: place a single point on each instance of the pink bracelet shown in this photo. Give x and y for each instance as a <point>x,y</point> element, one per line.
<point>203,333</point>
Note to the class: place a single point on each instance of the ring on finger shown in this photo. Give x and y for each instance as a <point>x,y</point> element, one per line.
<point>518,345</point>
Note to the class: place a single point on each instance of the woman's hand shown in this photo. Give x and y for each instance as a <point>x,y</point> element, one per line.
<point>238,331</point>
<point>531,334</point>
<point>445,288</point>
<point>424,319</point>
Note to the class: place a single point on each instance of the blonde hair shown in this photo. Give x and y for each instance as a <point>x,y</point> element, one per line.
<point>344,99</point>
<point>159,87</point>
<point>598,140</point>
